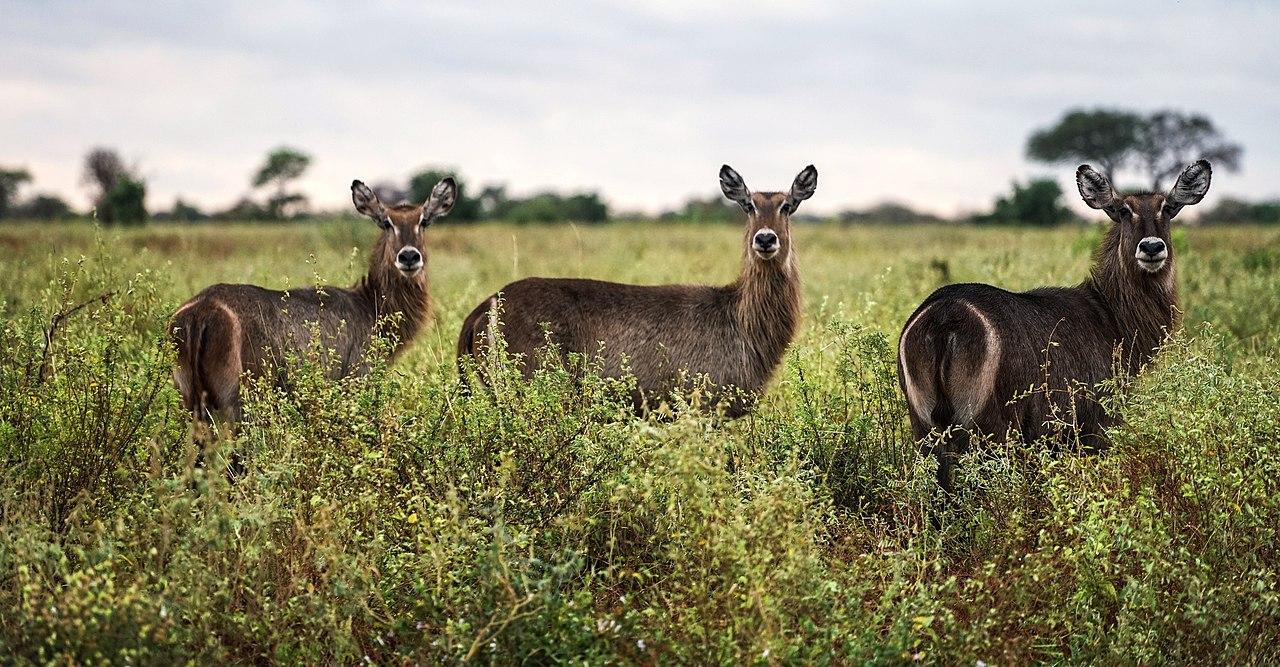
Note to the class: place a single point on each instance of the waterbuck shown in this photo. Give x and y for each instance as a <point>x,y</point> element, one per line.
<point>970,354</point>
<point>227,331</point>
<point>667,335</point>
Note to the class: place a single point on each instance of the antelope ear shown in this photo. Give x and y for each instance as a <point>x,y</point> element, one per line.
<point>803,187</point>
<point>443,196</point>
<point>367,203</point>
<point>1096,190</point>
<point>1191,187</point>
<point>735,189</point>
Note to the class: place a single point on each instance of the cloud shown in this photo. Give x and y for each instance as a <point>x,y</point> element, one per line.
<point>641,101</point>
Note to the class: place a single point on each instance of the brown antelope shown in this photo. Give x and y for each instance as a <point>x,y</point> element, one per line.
<point>970,353</point>
<point>735,335</point>
<point>227,331</point>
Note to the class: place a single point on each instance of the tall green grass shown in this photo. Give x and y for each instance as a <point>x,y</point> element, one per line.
<point>393,518</point>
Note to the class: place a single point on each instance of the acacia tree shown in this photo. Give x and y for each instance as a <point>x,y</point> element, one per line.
<point>465,209</point>
<point>121,193</point>
<point>10,181</point>
<point>103,169</point>
<point>283,166</point>
<point>1103,137</point>
<point>1169,140</point>
<point>1159,145</point>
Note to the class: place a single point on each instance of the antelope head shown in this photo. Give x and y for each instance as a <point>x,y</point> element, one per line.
<point>768,213</point>
<point>1143,220</point>
<point>401,245</point>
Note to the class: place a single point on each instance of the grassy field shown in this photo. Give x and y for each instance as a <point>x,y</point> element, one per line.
<point>391,519</point>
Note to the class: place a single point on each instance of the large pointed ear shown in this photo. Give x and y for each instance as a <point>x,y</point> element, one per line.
<point>367,203</point>
<point>443,196</point>
<point>735,189</point>
<point>1191,187</point>
<point>1096,190</point>
<point>803,187</point>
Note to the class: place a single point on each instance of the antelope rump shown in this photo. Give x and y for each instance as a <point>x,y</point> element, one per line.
<point>227,331</point>
<point>970,355</point>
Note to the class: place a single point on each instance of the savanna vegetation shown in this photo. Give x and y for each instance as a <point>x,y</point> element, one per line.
<point>394,519</point>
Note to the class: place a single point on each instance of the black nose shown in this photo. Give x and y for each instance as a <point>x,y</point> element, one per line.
<point>1151,248</point>
<point>409,257</point>
<point>766,239</point>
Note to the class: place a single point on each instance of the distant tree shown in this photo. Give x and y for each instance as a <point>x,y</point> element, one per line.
<point>466,209</point>
<point>103,169</point>
<point>125,204</point>
<point>1167,141</point>
<point>1104,137</point>
<point>44,207</point>
<point>494,202</point>
<point>893,213</point>
<point>183,211</point>
<point>554,207</point>
<point>121,194</point>
<point>585,207</point>
<point>283,166</point>
<point>390,193</point>
<point>10,181</point>
<point>1039,202</point>
<point>711,209</point>
<point>1231,211</point>
<point>1160,144</point>
<point>538,208</point>
<point>245,209</point>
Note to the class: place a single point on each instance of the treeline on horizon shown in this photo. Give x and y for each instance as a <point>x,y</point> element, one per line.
<point>1154,147</point>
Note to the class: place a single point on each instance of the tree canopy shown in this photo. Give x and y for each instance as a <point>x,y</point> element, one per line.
<point>283,166</point>
<point>10,181</point>
<point>121,194</point>
<point>1039,202</point>
<point>465,209</point>
<point>1158,145</point>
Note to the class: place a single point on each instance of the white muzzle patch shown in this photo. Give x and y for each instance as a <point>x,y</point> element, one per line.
<point>766,243</point>
<point>409,259</point>
<point>1152,252</point>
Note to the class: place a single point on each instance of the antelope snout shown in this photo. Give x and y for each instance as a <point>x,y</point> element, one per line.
<point>765,243</point>
<point>1152,253</point>
<point>409,259</point>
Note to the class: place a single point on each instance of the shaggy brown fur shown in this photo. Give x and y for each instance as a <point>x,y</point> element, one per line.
<point>969,350</point>
<point>227,331</point>
<point>666,335</point>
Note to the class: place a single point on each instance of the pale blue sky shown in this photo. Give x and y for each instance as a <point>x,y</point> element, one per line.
<point>929,104</point>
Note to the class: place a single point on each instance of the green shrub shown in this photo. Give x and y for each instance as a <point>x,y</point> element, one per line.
<point>395,518</point>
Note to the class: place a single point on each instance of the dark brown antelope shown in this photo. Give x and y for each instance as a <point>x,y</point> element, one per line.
<point>667,335</point>
<point>971,353</point>
<point>228,331</point>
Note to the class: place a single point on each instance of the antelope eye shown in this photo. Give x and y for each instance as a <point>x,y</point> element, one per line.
<point>785,209</point>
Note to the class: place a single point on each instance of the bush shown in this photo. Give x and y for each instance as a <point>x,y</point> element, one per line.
<point>1039,202</point>
<point>394,518</point>
<point>124,203</point>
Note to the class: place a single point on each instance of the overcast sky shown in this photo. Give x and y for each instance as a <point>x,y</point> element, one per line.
<point>927,104</point>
